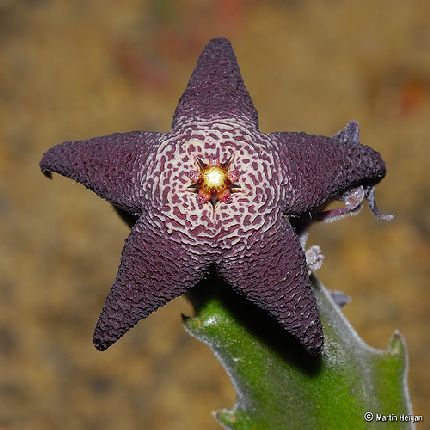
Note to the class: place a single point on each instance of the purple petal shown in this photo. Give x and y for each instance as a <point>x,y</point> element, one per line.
<point>154,269</point>
<point>320,169</point>
<point>274,276</point>
<point>216,88</point>
<point>108,165</point>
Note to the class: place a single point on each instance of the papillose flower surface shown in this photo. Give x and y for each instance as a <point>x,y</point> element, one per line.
<point>215,192</point>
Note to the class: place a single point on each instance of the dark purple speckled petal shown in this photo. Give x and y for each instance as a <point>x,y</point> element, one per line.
<point>154,269</point>
<point>319,169</point>
<point>108,165</point>
<point>216,88</point>
<point>274,276</point>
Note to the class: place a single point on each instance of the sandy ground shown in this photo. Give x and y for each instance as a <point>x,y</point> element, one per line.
<point>75,69</point>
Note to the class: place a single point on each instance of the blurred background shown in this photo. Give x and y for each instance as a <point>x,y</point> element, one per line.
<point>70,70</point>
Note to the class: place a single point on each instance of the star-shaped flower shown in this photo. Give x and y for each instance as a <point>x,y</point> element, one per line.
<point>217,192</point>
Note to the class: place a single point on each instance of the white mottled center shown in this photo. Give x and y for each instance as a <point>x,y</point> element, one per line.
<point>178,208</point>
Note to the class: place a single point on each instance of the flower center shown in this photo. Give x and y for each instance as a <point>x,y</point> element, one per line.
<point>214,177</point>
<point>214,182</point>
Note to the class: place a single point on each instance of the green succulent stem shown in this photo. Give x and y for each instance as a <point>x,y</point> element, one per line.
<point>279,386</point>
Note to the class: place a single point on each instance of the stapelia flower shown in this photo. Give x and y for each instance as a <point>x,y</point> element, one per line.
<point>217,192</point>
